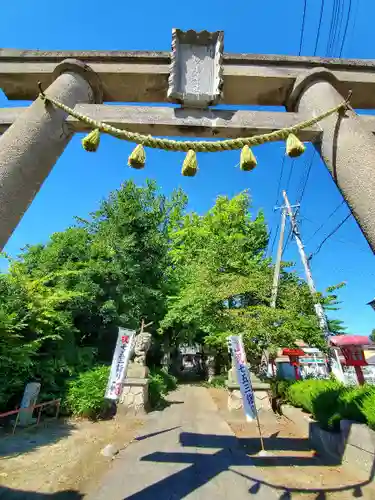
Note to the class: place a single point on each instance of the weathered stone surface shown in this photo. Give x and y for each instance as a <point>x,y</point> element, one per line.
<point>260,389</point>
<point>30,148</point>
<point>347,147</point>
<point>109,451</point>
<point>143,76</point>
<point>135,370</point>
<point>329,444</point>
<point>359,443</point>
<point>134,396</point>
<point>217,123</point>
<point>301,419</point>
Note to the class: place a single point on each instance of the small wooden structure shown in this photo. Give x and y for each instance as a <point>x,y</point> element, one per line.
<point>294,355</point>
<point>352,349</point>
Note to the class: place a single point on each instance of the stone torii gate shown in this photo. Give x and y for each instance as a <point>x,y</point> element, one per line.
<point>197,74</point>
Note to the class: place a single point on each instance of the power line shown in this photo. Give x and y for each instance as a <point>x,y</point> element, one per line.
<point>346,28</point>
<point>327,219</point>
<point>280,178</point>
<point>287,241</point>
<point>269,239</point>
<point>302,27</point>
<point>290,174</point>
<point>329,236</point>
<point>274,239</point>
<point>333,27</point>
<point>319,26</point>
<point>307,176</point>
<point>340,15</point>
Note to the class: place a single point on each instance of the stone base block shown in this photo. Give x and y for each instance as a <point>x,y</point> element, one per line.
<point>262,401</point>
<point>134,397</point>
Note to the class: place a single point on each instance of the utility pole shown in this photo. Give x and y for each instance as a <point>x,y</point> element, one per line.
<point>276,274</point>
<point>310,282</point>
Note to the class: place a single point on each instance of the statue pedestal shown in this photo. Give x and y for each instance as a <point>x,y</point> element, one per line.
<point>262,401</point>
<point>134,396</point>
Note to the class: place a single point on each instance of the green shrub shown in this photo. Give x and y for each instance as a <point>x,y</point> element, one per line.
<point>329,402</point>
<point>368,406</point>
<point>218,381</point>
<point>280,387</point>
<point>85,395</point>
<point>325,404</point>
<point>351,402</point>
<point>160,383</point>
<point>303,393</point>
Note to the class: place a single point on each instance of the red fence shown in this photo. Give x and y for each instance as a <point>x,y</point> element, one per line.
<point>31,409</point>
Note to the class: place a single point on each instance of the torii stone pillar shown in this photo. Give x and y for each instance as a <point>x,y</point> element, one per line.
<point>32,145</point>
<point>347,147</point>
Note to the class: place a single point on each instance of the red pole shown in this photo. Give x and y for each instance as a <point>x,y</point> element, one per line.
<point>359,373</point>
<point>296,371</point>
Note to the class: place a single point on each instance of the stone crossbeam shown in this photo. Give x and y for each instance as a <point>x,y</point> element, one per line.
<point>143,76</point>
<point>163,121</point>
<point>178,122</point>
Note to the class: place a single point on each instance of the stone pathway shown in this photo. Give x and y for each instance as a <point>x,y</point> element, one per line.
<point>186,451</point>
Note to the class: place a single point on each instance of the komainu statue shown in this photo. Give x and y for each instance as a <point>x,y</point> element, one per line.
<point>142,345</point>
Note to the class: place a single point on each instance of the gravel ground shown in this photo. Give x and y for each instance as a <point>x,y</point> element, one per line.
<point>59,456</point>
<point>291,466</point>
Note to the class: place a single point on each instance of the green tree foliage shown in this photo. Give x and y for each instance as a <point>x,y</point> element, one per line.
<point>224,284</point>
<point>61,303</point>
<point>139,256</point>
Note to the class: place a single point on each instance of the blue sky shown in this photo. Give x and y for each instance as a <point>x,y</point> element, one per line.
<point>79,180</point>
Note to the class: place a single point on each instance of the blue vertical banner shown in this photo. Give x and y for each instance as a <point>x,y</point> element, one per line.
<point>243,377</point>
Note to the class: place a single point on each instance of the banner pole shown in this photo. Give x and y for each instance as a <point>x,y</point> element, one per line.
<point>260,433</point>
<point>255,408</point>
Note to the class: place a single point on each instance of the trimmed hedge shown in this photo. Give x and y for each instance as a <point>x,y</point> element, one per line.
<point>329,402</point>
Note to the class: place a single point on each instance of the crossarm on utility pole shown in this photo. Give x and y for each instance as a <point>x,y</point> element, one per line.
<point>310,282</point>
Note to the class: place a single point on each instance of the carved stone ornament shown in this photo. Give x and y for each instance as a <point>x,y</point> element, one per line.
<point>142,345</point>
<point>196,71</point>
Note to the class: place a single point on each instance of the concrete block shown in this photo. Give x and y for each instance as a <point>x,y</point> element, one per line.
<point>298,417</point>
<point>359,445</point>
<point>329,444</point>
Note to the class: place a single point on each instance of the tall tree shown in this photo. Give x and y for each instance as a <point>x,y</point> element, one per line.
<point>64,300</point>
<point>224,284</point>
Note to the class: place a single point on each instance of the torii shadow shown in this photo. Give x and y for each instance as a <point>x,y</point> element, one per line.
<point>204,467</point>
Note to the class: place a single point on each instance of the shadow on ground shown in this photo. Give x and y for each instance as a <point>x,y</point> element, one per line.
<point>234,452</point>
<point>29,439</point>
<point>10,494</point>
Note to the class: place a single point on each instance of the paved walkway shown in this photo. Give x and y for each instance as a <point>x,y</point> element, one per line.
<point>186,451</point>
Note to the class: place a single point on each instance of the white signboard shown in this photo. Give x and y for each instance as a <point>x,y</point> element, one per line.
<point>120,361</point>
<point>243,376</point>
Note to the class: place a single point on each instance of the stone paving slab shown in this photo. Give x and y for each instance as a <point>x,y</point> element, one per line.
<point>176,457</point>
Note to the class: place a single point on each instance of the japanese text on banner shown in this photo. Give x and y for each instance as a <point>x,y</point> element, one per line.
<point>243,376</point>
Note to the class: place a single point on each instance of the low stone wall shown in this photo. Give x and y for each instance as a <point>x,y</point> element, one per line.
<point>354,444</point>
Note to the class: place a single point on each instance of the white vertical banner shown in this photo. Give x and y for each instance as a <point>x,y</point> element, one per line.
<point>243,376</point>
<point>120,361</point>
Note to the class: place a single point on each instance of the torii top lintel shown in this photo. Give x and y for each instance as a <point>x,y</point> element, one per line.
<point>139,76</point>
